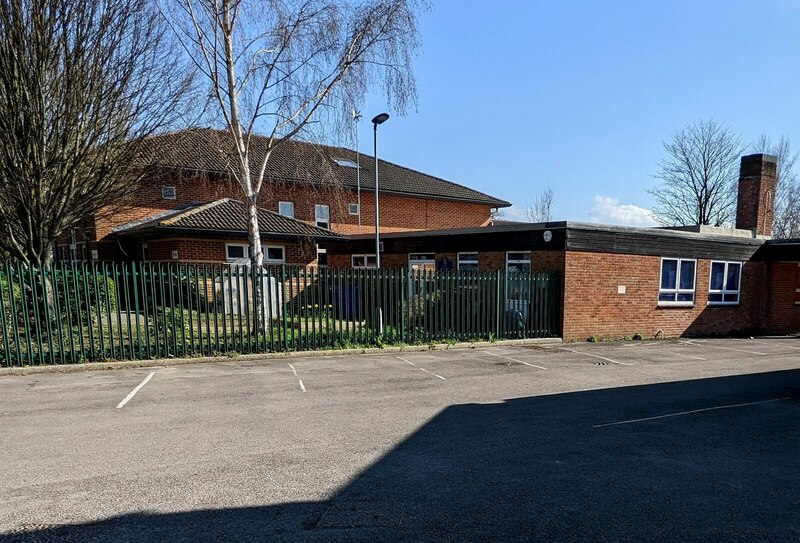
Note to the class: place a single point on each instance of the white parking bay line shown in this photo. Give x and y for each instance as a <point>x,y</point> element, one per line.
<point>595,356</point>
<point>516,360</point>
<point>771,344</point>
<point>423,369</point>
<point>674,353</point>
<point>302,386</point>
<point>721,347</point>
<point>135,390</point>
<point>641,345</point>
<point>715,408</point>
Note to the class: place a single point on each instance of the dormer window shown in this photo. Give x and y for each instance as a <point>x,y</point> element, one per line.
<point>168,192</point>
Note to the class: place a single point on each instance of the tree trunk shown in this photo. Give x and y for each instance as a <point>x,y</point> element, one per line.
<point>256,261</point>
<point>253,232</point>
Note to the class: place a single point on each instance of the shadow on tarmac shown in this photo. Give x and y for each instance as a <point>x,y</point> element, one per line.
<point>537,469</point>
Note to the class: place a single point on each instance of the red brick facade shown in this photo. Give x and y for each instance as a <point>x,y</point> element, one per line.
<point>594,306</point>
<point>398,213</point>
<point>213,250</point>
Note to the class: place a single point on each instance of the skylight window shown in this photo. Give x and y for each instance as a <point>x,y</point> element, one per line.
<point>347,163</point>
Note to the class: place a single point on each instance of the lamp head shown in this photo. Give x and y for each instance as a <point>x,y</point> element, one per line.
<point>380,118</point>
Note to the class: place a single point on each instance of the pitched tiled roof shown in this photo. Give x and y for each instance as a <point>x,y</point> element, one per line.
<point>208,150</point>
<point>228,216</point>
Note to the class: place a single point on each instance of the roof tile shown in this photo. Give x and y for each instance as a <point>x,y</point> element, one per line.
<point>209,150</point>
<point>227,215</point>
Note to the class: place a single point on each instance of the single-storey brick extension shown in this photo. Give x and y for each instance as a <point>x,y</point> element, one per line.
<point>617,281</point>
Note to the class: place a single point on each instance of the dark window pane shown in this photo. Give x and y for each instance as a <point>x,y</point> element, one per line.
<point>235,251</point>
<point>687,275</point>
<point>274,253</point>
<point>686,296</point>
<point>717,276</point>
<point>669,273</point>
<point>715,297</point>
<point>732,281</point>
<point>666,297</point>
<point>732,298</point>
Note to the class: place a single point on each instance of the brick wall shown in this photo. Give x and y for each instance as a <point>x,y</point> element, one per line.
<point>397,213</point>
<point>213,250</point>
<point>592,305</point>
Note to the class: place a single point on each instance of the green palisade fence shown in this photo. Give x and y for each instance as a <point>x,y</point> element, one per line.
<point>79,312</point>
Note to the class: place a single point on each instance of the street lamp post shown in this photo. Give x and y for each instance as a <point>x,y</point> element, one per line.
<point>378,119</point>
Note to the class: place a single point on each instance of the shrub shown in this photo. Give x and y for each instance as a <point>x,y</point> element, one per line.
<point>168,320</point>
<point>96,290</point>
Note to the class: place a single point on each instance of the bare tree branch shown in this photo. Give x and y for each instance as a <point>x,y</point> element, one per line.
<point>541,210</point>
<point>282,67</point>
<point>698,177</point>
<point>82,86</point>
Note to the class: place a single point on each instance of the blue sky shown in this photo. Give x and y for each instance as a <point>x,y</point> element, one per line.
<point>516,95</point>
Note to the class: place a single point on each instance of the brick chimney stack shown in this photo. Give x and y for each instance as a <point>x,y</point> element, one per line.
<point>754,207</point>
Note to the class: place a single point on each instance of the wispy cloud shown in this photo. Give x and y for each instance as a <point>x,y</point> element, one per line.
<point>608,210</point>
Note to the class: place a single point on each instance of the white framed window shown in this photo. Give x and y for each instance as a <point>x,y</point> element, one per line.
<point>518,261</point>
<point>467,261</point>
<point>363,261</point>
<point>168,192</point>
<point>724,283</point>
<point>322,215</point>
<point>236,251</point>
<point>322,257</point>
<point>517,291</point>
<point>286,209</point>
<point>677,281</point>
<point>274,254</point>
<point>421,261</point>
<point>353,209</point>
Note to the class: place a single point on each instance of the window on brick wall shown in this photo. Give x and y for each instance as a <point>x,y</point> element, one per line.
<point>236,251</point>
<point>274,254</point>
<point>467,261</point>
<point>168,192</point>
<point>677,281</point>
<point>421,262</point>
<point>518,261</point>
<point>724,283</point>
<point>322,215</point>
<point>517,288</point>
<point>286,209</point>
<point>352,209</point>
<point>363,261</point>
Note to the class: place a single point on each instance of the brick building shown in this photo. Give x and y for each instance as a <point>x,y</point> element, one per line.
<point>616,280</point>
<point>318,185</point>
<point>619,281</point>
